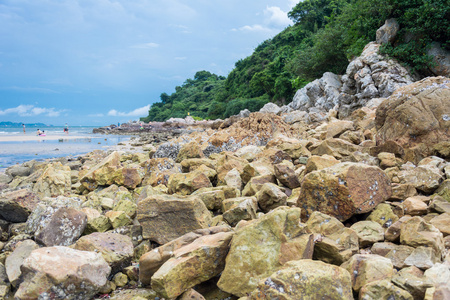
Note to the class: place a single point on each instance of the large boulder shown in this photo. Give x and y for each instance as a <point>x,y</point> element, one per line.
<point>101,173</point>
<point>262,247</point>
<point>417,113</point>
<point>158,171</point>
<point>343,190</point>
<point>321,93</point>
<point>116,249</point>
<point>305,279</point>
<point>54,181</point>
<point>197,262</point>
<point>164,218</point>
<point>63,273</point>
<point>441,58</point>
<point>16,206</point>
<point>16,258</point>
<point>151,261</point>
<point>63,228</point>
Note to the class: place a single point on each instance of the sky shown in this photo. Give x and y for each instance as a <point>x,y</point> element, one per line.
<point>100,62</point>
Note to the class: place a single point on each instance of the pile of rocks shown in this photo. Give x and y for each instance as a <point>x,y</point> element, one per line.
<point>266,207</point>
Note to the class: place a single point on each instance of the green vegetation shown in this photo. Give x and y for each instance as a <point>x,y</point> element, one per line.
<point>325,36</point>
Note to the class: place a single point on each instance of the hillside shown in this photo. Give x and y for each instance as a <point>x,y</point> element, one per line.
<point>326,35</point>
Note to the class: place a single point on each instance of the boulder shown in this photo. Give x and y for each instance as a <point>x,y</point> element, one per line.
<point>237,209</point>
<point>62,272</point>
<point>16,206</point>
<point>270,196</point>
<point>285,173</point>
<point>387,33</point>
<point>316,163</point>
<point>42,214</point>
<point>280,239</point>
<point>101,173</point>
<point>337,148</point>
<point>16,258</point>
<point>321,93</point>
<point>54,181</point>
<point>127,177</point>
<point>116,249</point>
<point>256,183</point>
<point>383,215</point>
<point>413,281</point>
<point>151,261</point>
<point>308,279</point>
<point>416,232</point>
<point>118,218</point>
<point>187,183</point>
<point>226,163</point>
<point>270,108</point>
<point>417,113</point>
<point>190,150</point>
<point>369,232</point>
<point>396,253</point>
<point>441,59</point>
<point>442,222</point>
<point>383,289</point>
<point>192,264</point>
<point>343,190</point>
<point>164,218</point>
<point>334,243</point>
<point>366,268</point>
<point>63,228</point>
<point>158,170</point>
<point>423,178</point>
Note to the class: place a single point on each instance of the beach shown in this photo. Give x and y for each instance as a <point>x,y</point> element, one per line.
<point>17,147</point>
<point>36,138</point>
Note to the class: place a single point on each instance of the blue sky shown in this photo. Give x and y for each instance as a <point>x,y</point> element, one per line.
<point>98,62</point>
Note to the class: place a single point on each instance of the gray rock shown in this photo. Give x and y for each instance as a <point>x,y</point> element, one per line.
<point>18,170</point>
<point>441,58</point>
<point>270,108</point>
<point>388,32</point>
<point>16,258</point>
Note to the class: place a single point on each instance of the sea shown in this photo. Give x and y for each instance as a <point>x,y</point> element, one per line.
<point>18,152</point>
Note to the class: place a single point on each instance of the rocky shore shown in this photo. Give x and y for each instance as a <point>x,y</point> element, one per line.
<point>327,198</point>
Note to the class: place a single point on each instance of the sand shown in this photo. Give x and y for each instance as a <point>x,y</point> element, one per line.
<point>27,138</point>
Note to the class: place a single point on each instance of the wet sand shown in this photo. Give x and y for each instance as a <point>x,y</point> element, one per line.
<point>27,138</point>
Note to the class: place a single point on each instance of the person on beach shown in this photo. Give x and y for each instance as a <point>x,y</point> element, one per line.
<point>66,129</point>
<point>23,126</point>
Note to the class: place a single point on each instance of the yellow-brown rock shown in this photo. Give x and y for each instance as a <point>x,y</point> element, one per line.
<point>151,261</point>
<point>416,113</point>
<point>190,150</point>
<point>54,181</point>
<point>102,173</point>
<point>270,196</point>
<point>187,183</point>
<point>276,237</point>
<point>164,217</point>
<point>316,163</point>
<point>335,147</point>
<point>383,289</point>
<point>285,173</point>
<point>197,262</point>
<point>366,268</point>
<point>305,279</point>
<point>226,163</point>
<point>158,171</point>
<point>343,190</point>
<point>416,232</point>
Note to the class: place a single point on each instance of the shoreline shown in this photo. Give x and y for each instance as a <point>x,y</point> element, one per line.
<point>28,138</point>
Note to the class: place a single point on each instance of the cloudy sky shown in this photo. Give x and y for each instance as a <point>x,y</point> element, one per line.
<point>97,62</point>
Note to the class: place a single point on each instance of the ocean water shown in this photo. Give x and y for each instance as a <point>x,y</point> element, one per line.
<point>18,152</point>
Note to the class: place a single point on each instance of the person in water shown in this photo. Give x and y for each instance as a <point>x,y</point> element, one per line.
<point>23,126</point>
<point>66,129</point>
<point>39,132</point>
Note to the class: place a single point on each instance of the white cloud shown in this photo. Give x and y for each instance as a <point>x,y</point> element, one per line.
<point>276,17</point>
<point>145,46</point>
<point>253,28</point>
<point>138,112</point>
<point>31,110</point>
